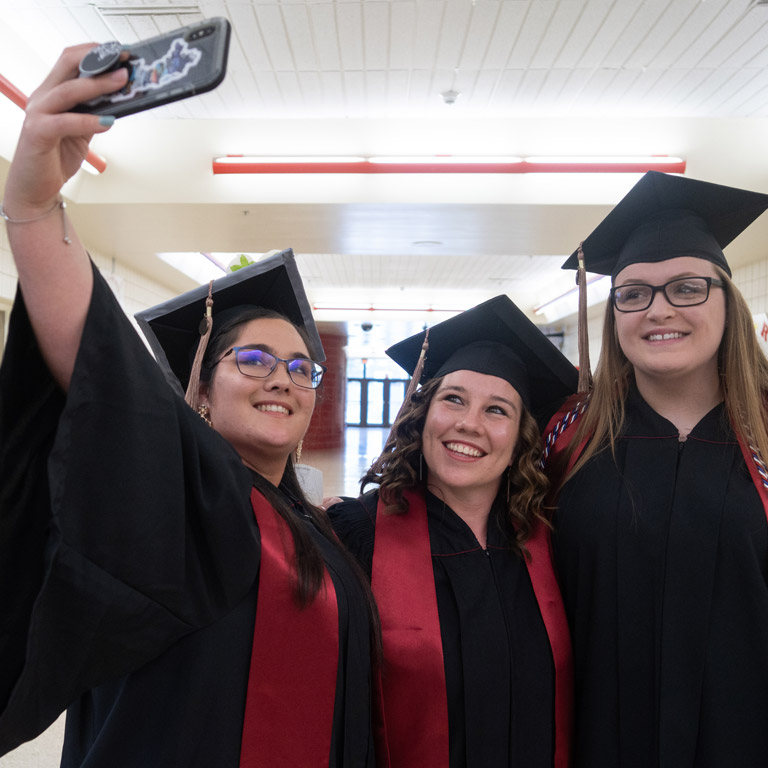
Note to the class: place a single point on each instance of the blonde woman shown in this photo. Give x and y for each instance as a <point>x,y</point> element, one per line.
<point>661,541</point>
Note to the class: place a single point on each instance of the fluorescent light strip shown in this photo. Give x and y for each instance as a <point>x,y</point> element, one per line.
<point>235,159</point>
<point>445,160</point>
<point>446,164</point>
<point>12,93</point>
<point>649,159</point>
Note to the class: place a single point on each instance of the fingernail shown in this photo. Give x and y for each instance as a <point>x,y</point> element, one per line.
<point>107,120</point>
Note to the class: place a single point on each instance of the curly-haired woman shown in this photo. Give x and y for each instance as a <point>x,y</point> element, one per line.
<point>476,652</point>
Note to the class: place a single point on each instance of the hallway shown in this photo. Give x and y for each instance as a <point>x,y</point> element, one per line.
<point>342,469</point>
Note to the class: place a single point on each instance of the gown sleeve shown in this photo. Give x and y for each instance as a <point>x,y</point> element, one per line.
<point>125,521</point>
<point>354,521</point>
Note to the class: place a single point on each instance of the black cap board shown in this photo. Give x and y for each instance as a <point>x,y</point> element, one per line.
<point>173,327</point>
<point>497,339</point>
<point>665,216</point>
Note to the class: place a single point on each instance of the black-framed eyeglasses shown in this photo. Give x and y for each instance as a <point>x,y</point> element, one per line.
<point>258,364</point>
<point>683,292</point>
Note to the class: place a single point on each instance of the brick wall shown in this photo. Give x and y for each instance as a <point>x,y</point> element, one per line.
<point>326,430</point>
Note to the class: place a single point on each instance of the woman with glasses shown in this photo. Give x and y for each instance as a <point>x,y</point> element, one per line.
<point>162,575</point>
<point>476,656</point>
<point>660,535</point>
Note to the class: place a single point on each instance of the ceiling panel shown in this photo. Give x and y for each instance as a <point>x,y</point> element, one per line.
<point>375,44</point>
<point>555,34</point>
<point>349,28</point>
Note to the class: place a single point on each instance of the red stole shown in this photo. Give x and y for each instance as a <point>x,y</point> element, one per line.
<point>757,471</point>
<point>411,701</point>
<point>542,573</point>
<point>292,681</point>
<point>413,709</point>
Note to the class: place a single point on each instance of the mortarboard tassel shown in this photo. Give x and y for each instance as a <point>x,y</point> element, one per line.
<point>585,374</point>
<point>192,396</point>
<point>377,467</point>
<point>416,378</point>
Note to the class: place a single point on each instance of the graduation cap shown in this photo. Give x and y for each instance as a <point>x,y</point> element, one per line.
<point>662,217</point>
<point>497,339</point>
<point>173,328</point>
<point>665,216</point>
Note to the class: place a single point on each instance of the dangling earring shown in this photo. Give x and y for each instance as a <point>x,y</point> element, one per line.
<point>204,412</point>
<point>509,484</point>
<point>298,451</point>
<point>421,463</point>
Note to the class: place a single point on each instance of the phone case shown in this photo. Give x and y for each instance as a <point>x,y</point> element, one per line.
<point>169,67</point>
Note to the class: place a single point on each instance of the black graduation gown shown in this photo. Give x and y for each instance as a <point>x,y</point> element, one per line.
<point>498,663</point>
<point>663,562</point>
<point>129,557</point>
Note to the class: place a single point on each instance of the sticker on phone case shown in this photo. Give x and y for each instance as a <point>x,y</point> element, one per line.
<point>173,65</point>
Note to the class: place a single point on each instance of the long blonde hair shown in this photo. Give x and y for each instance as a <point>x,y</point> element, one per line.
<point>743,378</point>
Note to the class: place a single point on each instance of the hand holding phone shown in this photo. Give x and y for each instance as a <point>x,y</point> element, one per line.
<point>162,69</point>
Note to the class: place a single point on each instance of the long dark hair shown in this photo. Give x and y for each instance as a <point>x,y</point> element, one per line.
<point>522,489</point>
<point>310,566</point>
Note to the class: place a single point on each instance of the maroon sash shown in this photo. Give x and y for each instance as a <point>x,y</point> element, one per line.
<point>411,700</point>
<point>413,727</point>
<point>757,471</point>
<point>292,681</point>
<point>547,591</point>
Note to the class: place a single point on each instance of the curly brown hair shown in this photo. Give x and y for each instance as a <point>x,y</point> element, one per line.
<point>522,489</point>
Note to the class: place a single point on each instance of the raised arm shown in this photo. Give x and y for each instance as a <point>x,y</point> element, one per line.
<point>54,272</point>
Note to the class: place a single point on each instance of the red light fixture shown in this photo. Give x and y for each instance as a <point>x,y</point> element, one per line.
<point>446,164</point>
<point>11,92</point>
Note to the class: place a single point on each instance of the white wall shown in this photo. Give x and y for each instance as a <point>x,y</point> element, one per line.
<point>133,289</point>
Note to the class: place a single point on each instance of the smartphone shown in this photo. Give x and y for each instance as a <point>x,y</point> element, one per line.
<point>162,69</point>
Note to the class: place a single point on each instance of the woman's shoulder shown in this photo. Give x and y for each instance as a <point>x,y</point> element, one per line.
<point>354,521</point>
<point>350,513</point>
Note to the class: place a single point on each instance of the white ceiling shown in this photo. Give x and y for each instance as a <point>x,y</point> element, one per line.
<point>364,77</point>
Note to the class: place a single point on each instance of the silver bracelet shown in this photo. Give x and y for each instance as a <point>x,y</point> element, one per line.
<point>60,204</point>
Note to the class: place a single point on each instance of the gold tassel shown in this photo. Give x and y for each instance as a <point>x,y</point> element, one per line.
<point>414,382</point>
<point>193,388</point>
<point>585,373</point>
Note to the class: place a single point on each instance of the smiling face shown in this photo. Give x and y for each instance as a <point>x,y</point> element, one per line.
<point>470,433</point>
<point>263,418</point>
<point>663,341</point>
